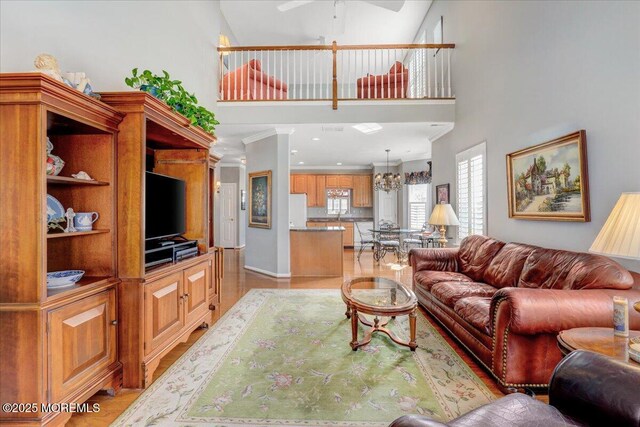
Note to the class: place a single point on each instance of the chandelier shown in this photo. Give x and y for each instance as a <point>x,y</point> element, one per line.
<point>387,181</point>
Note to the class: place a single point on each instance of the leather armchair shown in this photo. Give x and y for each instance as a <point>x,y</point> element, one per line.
<point>586,389</point>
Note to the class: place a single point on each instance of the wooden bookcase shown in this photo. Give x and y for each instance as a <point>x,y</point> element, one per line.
<point>57,346</point>
<point>160,307</point>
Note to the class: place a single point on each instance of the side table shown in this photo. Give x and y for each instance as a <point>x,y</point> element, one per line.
<point>598,340</point>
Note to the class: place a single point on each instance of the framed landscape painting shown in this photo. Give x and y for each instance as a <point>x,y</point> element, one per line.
<point>260,199</point>
<point>550,181</point>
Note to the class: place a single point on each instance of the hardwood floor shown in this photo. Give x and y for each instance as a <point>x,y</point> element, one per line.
<point>237,282</point>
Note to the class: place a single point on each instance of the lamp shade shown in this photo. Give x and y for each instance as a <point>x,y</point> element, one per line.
<point>443,214</point>
<point>620,235</point>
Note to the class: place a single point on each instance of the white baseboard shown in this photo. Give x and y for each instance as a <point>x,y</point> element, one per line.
<point>268,273</point>
<point>239,247</point>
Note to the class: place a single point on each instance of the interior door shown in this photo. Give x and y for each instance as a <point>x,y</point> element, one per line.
<point>228,215</point>
<point>388,206</point>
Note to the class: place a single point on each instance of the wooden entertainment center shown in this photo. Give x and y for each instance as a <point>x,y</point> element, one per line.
<point>112,329</point>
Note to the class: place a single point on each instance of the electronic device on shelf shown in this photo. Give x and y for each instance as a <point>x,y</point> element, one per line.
<point>165,200</point>
<point>165,221</point>
<point>157,253</point>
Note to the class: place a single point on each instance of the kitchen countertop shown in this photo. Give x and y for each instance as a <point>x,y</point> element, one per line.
<point>343,219</point>
<point>317,229</point>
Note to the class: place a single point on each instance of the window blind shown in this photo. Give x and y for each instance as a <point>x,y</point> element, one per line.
<point>471,191</point>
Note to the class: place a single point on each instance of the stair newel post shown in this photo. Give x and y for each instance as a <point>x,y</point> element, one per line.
<point>334,49</point>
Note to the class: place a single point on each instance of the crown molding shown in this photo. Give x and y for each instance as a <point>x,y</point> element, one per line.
<point>333,167</point>
<point>267,133</point>
<point>392,164</point>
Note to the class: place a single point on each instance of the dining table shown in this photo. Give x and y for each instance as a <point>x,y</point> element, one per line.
<point>400,235</point>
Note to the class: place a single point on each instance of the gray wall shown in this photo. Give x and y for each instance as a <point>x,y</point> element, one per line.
<point>106,39</point>
<point>528,72</point>
<point>268,249</point>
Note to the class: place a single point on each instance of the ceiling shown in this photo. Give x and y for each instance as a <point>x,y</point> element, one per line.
<point>261,23</point>
<point>352,148</point>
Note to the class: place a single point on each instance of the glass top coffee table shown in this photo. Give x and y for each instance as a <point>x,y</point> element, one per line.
<point>379,297</point>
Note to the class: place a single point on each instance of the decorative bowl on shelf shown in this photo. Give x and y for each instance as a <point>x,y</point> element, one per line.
<point>61,279</point>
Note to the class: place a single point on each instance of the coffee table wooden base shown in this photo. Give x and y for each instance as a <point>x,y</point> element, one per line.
<point>376,326</point>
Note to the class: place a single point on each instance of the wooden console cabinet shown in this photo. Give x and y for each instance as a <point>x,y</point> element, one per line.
<point>56,346</point>
<point>159,308</point>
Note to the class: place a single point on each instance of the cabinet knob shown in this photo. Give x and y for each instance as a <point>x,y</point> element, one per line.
<point>114,322</point>
<point>186,295</point>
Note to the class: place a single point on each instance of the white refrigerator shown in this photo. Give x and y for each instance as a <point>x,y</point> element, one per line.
<point>297,210</point>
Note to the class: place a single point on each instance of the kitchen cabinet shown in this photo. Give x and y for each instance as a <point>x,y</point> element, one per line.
<point>347,234</point>
<point>345,181</point>
<point>333,181</point>
<point>362,191</point>
<point>299,184</point>
<point>312,191</point>
<point>321,190</point>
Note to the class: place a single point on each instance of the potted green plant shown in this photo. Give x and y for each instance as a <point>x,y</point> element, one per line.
<point>172,93</point>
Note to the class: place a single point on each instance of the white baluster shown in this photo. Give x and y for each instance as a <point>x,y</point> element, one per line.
<point>442,94</point>
<point>449,72</point>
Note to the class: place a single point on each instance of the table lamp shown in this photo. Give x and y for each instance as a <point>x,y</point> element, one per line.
<point>620,235</point>
<point>442,216</point>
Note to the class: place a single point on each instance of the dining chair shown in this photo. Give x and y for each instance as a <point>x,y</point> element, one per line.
<point>389,239</point>
<point>366,239</point>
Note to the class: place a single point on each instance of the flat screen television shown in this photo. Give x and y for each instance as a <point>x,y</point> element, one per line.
<point>164,206</point>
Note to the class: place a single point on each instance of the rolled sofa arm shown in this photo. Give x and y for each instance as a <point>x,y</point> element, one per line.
<point>528,311</point>
<point>443,259</point>
<point>596,389</point>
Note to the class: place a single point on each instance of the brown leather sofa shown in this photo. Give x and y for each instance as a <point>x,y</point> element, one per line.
<point>506,302</point>
<point>587,389</point>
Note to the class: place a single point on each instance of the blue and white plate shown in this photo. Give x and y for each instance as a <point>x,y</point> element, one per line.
<point>61,279</point>
<point>54,208</point>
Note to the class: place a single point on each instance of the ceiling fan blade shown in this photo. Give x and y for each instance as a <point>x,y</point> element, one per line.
<point>393,5</point>
<point>288,5</point>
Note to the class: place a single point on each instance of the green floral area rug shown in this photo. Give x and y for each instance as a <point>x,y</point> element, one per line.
<point>282,357</point>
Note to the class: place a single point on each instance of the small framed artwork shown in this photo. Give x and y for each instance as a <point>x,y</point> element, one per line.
<point>550,181</point>
<point>442,193</point>
<point>260,199</point>
<point>243,200</point>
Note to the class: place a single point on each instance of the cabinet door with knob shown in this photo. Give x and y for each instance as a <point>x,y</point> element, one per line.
<point>196,291</point>
<point>82,342</point>
<point>164,310</point>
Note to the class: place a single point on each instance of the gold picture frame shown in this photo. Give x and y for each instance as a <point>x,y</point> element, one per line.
<point>260,199</point>
<point>550,181</point>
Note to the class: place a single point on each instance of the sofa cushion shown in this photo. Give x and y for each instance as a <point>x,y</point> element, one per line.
<point>506,267</point>
<point>449,293</point>
<point>476,311</point>
<point>475,255</point>
<point>555,269</point>
<point>427,278</point>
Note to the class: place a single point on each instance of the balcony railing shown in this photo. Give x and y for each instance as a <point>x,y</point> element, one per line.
<point>335,73</point>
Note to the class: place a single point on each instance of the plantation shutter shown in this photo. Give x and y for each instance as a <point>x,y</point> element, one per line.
<point>419,205</point>
<point>471,191</point>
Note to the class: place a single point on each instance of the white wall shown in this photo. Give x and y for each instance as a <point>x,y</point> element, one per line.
<point>527,72</point>
<point>106,39</point>
<point>267,250</point>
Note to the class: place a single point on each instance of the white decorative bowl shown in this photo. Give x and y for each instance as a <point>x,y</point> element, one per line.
<point>59,279</point>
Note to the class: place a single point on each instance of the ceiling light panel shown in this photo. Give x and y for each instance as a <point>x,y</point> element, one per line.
<point>368,128</point>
